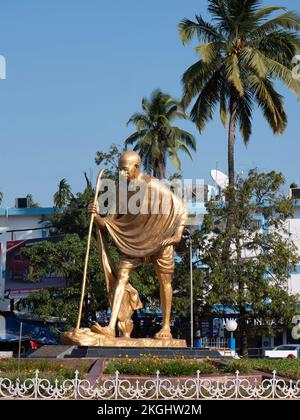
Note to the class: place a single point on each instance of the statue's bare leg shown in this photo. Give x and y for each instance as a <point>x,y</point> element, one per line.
<point>166,292</point>
<point>110,330</point>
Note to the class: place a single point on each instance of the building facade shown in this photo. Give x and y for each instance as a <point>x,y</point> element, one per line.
<point>21,227</point>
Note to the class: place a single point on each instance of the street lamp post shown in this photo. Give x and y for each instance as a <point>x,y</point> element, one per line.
<point>231,326</point>
<point>191,291</point>
<point>3,303</point>
<point>2,261</point>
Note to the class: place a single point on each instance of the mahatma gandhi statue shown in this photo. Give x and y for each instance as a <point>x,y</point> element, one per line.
<point>146,235</point>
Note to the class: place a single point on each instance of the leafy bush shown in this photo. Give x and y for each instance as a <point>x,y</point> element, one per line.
<point>232,366</point>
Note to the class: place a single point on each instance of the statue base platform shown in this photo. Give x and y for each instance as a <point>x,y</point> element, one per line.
<point>89,352</point>
<point>85,337</point>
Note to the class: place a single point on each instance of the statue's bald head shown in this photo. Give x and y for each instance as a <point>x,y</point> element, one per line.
<point>131,157</point>
<point>129,165</point>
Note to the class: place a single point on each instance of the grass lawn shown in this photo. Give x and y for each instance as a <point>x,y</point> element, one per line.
<point>49,369</point>
<point>288,368</point>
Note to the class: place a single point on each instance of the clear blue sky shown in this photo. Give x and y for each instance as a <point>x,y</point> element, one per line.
<point>76,71</point>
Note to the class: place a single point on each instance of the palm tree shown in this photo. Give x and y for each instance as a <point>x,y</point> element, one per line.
<point>242,53</point>
<point>156,139</point>
<point>30,201</point>
<point>62,197</point>
<point>1,197</point>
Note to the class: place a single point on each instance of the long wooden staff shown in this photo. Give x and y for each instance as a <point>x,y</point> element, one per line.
<point>88,250</point>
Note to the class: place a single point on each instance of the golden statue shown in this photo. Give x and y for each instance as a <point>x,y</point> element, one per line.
<point>145,233</point>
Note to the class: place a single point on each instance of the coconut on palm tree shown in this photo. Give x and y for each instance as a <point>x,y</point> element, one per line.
<point>62,197</point>
<point>156,138</point>
<point>243,51</point>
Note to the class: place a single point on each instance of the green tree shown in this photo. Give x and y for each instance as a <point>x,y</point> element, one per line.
<point>242,54</point>
<point>156,139</point>
<point>253,278</point>
<point>63,196</point>
<point>66,259</point>
<point>110,160</point>
<point>1,197</point>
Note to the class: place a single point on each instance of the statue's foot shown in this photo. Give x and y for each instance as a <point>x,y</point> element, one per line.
<point>164,333</point>
<point>107,331</point>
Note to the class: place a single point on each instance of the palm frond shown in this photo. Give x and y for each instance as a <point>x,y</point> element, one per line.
<point>210,51</point>
<point>232,73</point>
<point>181,146</point>
<point>289,20</point>
<point>244,116</point>
<point>219,10</point>
<point>174,159</point>
<point>195,78</point>
<point>281,72</point>
<point>135,137</point>
<point>266,11</point>
<point>202,30</point>
<point>139,119</point>
<point>270,102</point>
<point>145,104</point>
<point>176,112</point>
<point>280,46</point>
<point>185,137</point>
<point>252,58</point>
<point>241,15</point>
<point>223,105</point>
<point>206,102</point>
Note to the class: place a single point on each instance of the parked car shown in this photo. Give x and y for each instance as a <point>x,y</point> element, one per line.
<point>290,351</point>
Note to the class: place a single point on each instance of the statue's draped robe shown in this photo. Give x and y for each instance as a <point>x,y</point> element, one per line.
<point>140,231</point>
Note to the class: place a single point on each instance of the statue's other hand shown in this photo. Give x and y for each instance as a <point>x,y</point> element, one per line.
<point>171,241</point>
<point>93,208</point>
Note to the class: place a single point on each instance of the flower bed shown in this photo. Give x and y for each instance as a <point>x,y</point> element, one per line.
<point>149,365</point>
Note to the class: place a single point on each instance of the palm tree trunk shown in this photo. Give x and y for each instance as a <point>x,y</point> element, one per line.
<point>230,197</point>
<point>231,138</point>
<point>161,167</point>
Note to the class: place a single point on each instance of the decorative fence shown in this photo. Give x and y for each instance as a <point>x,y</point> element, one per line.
<point>152,388</point>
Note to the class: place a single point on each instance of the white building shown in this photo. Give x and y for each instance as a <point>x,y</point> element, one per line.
<point>18,225</point>
<point>294,229</point>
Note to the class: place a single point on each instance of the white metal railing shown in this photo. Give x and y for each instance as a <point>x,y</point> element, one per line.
<point>157,387</point>
<point>214,342</point>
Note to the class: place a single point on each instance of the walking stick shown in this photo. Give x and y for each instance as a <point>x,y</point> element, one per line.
<point>88,250</point>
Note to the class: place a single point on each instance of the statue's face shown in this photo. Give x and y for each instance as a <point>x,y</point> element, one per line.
<point>129,169</point>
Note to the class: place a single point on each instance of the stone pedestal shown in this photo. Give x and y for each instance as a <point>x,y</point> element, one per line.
<point>85,337</point>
